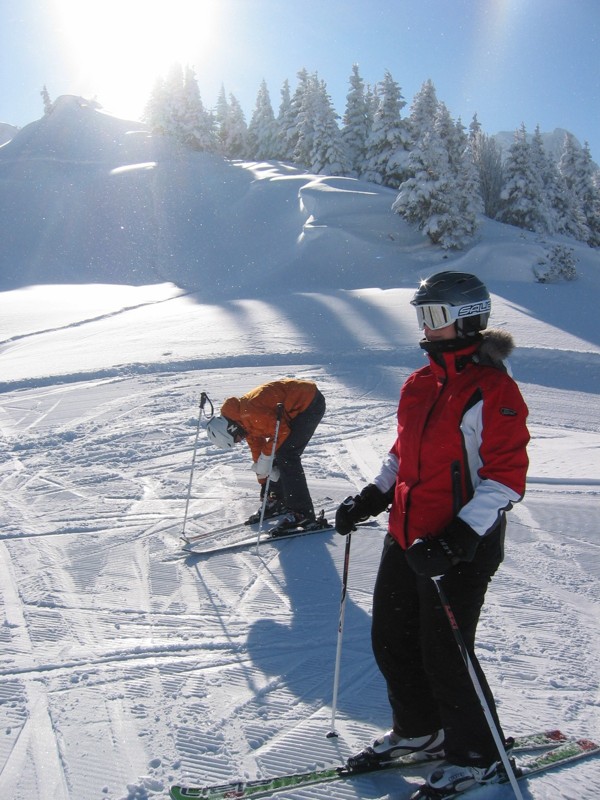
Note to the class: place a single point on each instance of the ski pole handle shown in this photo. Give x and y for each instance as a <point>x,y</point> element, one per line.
<point>204,399</point>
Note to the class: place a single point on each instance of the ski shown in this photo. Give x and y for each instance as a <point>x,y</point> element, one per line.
<point>566,753</point>
<point>266,537</point>
<point>265,787</point>
<point>247,525</point>
<point>248,541</point>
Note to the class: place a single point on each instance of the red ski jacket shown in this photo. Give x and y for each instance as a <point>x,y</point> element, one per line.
<point>461,443</point>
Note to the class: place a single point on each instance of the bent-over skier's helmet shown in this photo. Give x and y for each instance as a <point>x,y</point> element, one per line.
<point>224,433</point>
<point>448,297</point>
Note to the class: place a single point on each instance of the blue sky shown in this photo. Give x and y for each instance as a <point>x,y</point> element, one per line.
<point>511,61</point>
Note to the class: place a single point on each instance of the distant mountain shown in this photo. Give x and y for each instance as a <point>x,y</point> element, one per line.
<point>553,142</point>
<point>7,132</point>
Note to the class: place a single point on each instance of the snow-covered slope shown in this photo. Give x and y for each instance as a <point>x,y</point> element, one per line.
<point>137,276</point>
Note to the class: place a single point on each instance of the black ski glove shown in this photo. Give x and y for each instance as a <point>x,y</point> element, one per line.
<point>435,555</point>
<point>370,502</point>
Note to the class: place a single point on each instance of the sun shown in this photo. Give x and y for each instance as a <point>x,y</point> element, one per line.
<point>116,49</point>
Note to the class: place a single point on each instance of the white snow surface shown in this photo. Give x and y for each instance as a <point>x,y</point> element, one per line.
<point>135,277</point>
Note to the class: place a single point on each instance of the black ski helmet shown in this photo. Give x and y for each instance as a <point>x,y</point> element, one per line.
<point>457,297</point>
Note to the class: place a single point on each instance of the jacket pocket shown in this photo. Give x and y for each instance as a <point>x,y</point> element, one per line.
<point>456,480</point>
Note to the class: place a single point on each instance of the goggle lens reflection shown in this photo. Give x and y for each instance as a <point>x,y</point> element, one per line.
<point>435,316</point>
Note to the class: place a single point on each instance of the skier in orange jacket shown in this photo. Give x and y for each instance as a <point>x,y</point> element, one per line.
<point>253,417</point>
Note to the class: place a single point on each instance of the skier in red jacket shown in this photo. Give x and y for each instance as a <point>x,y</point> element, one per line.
<point>458,464</point>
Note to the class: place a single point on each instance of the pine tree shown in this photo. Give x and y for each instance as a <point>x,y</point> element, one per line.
<point>542,166</point>
<point>173,101</point>
<point>441,196</point>
<point>164,111</point>
<point>284,121</point>
<point>46,100</point>
<point>236,138</point>
<point>155,112</point>
<point>289,122</point>
<point>262,130</point>
<point>467,205</point>
<point>590,196</point>
<point>581,181</point>
<point>571,169</point>
<point>196,125</point>
<point>357,123</point>
<point>522,195</point>
<point>222,120</point>
<point>318,141</point>
<point>175,109</point>
<point>328,154</point>
<point>388,142</point>
<point>423,199</point>
<point>487,157</point>
<point>423,111</point>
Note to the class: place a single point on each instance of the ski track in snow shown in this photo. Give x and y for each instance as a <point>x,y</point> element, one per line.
<point>130,664</point>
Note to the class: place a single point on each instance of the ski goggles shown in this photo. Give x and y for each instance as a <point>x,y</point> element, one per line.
<point>440,315</point>
<point>235,431</point>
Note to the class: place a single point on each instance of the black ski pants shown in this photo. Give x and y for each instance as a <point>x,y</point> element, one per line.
<point>291,486</point>
<point>427,680</point>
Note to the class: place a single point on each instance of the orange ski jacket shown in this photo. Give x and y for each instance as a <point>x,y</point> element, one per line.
<point>256,411</point>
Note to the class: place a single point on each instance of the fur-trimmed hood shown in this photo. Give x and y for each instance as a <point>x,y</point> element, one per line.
<point>496,346</point>
<point>490,349</point>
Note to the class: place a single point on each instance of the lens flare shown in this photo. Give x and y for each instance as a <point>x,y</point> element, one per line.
<point>118,48</point>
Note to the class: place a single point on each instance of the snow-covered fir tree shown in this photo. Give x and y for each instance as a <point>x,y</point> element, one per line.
<point>468,202</point>
<point>196,124</point>
<point>284,123</point>
<point>577,170</point>
<point>423,111</point>
<point>556,205</point>
<point>262,130</point>
<point>357,123</point>
<point>304,123</point>
<point>487,157</point>
<point>232,131</point>
<point>236,138</point>
<point>417,155</point>
<point>388,142</point>
<point>573,222</point>
<point>522,194</point>
<point>319,144</point>
<point>156,112</point>
<point>590,196</point>
<point>289,119</point>
<point>544,168</point>
<point>169,102</point>
<point>175,108</point>
<point>423,198</point>
<point>328,154</point>
<point>46,101</point>
<point>441,197</point>
<point>222,119</point>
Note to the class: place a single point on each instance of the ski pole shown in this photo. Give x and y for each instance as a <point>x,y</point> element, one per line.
<point>204,398</point>
<point>338,655</point>
<point>266,496</point>
<point>477,686</point>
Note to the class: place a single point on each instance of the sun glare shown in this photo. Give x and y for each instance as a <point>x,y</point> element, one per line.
<point>118,48</point>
